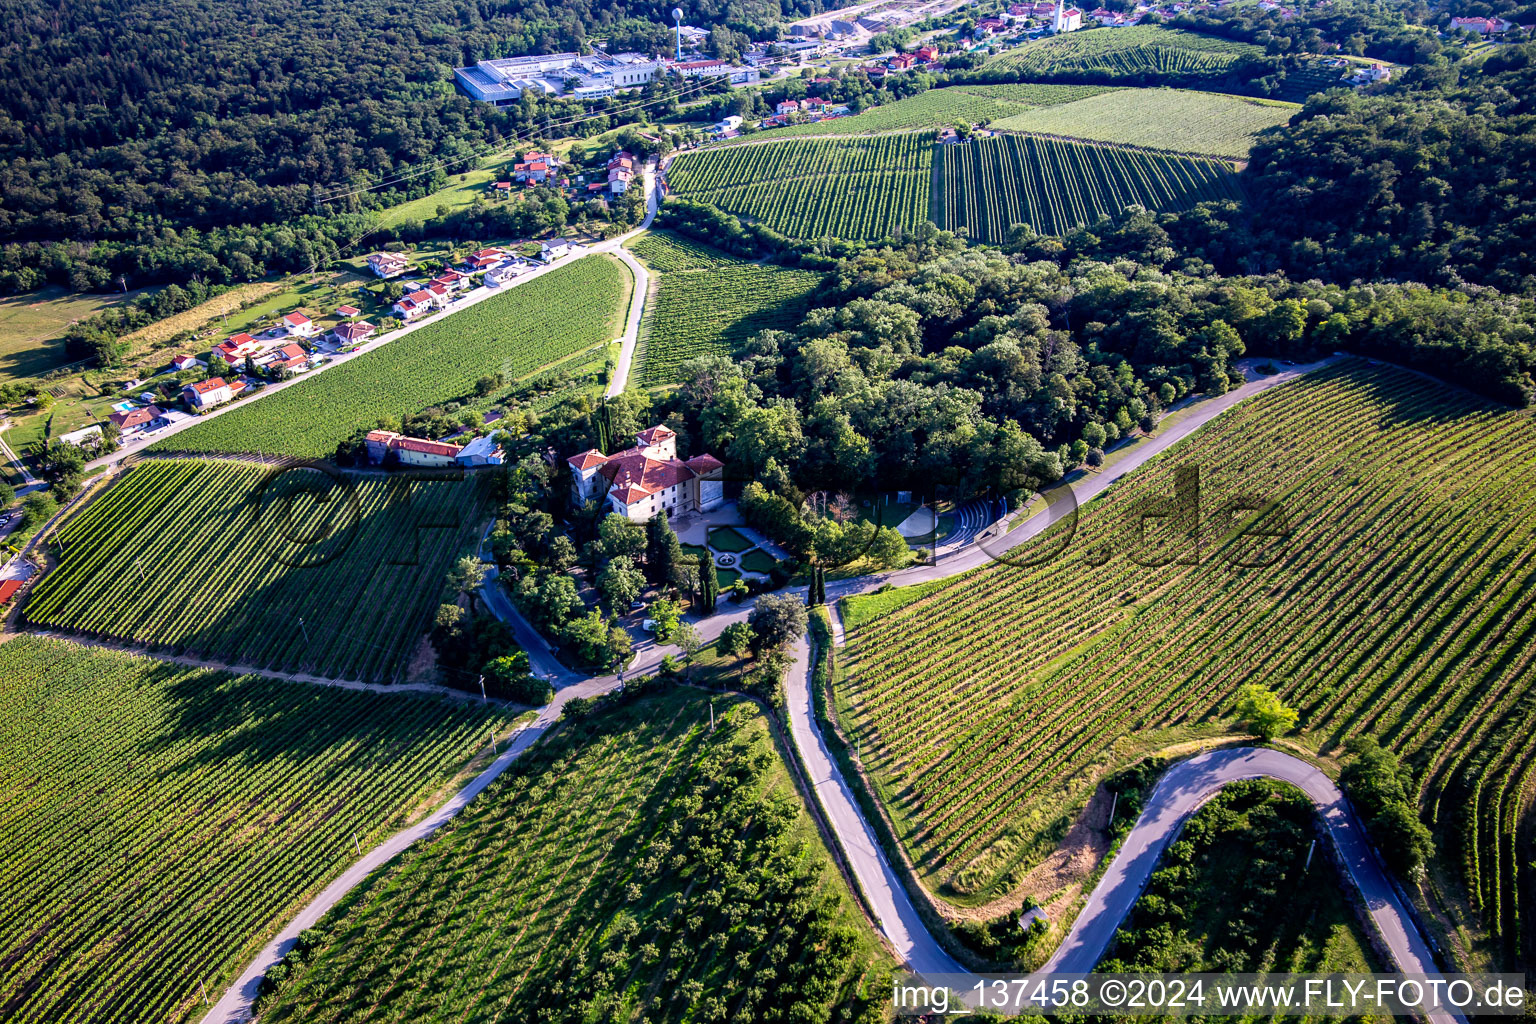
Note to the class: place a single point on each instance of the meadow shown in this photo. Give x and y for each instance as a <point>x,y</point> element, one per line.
<point>1055,185</point>
<point>1176,119</point>
<point>709,303</point>
<point>1401,604</point>
<point>813,188</point>
<point>1138,54</point>
<point>32,327</point>
<point>637,865</point>
<point>156,821</point>
<point>514,334</point>
<point>291,570</point>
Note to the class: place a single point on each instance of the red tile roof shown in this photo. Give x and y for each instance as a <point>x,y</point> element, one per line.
<point>417,444</point>
<point>630,494</point>
<point>420,296</point>
<point>654,435</point>
<point>704,463</point>
<point>587,459</point>
<point>296,318</point>
<point>202,387</point>
<point>347,311</point>
<point>354,332</point>
<point>8,590</point>
<point>133,417</point>
<point>632,469</point>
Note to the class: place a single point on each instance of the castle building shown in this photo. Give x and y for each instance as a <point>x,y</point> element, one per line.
<point>648,479</point>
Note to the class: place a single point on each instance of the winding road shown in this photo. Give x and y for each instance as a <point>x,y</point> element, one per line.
<point>1184,788</point>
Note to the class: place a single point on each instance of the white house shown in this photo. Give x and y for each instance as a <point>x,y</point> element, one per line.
<point>498,276</point>
<point>411,451</point>
<point>299,325</point>
<point>388,264</point>
<point>353,333</point>
<point>179,363</point>
<point>207,393</point>
<point>554,249</point>
<point>412,306</point>
<point>85,437</point>
<point>648,479</point>
<point>133,422</point>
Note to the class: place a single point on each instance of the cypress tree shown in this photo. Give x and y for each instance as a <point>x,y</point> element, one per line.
<point>709,584</point>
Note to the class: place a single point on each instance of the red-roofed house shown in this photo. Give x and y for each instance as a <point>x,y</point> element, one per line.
<point>990,25</point>
<point>648,479</point>
<point>8,589</point>
<point>352,334</point>
<point>208,393</point>
<point>291,357</point>
<point>299,325</point>
<point>1482,26</point>
<point>901,61</point>
<point>411,451</point>
<point>235,348</point>
<point>410,307</point>
<point>535,167</point>
<point>135,421</point>
<point>389,264</point>
<point>348,311</point>
<point>452,280</point>
<point>927,54</point>
<point>787,107</point>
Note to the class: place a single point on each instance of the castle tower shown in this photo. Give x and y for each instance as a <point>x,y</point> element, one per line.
<point>1059,19</point>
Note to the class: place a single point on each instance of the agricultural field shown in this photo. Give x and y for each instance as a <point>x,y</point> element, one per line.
<point>156,821</point>
<point>634,866</point>
<point>225,558</point>
<point>530,326</point>
<point>1176,119</point>
<point>709,303</point>
<point>1402,605</point>
<point>1055,185</point>
<point>1141,52</point>
<point>814,188</point>
<point>937,108</point>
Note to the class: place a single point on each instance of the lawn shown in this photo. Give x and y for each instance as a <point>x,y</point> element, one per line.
<point>160,821</point>
<point>726,538</point>
<point>515,334</point>
<point>1176,119</point>
<point>1389,484</point>
<point>758,560</point>
<point>637,860</point>
<point>32,327</point>
<point>727,577</point>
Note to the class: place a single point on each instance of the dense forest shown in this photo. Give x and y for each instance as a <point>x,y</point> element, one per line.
<point>159,140</point>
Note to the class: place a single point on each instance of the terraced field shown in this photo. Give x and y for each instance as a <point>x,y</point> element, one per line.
<point>531,326</point>
<point>1176,119</point>
<point>813,188</point>
<point>156,821</point>
<point>1402,604</point>
<point>1139,53</point>
<point>988,185</point>
<point>637,866</point>
<point>293,570</point>
<point>708,303</point>
<point>937,108</point>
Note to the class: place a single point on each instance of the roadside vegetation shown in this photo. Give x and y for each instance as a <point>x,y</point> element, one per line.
<point>159,821</point>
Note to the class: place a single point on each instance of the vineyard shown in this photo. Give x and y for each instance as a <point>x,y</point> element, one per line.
<point>224,558</point>
<point>1139,52</point>
<point>156,821</point>
<point>1402,605</point>
<point>533,325</point>
<point>936,108</point>
<point>988,185</point>
<point>707,303</point>
<point>814,188</point>
<point>637,866</point>
<point>1177,119</point>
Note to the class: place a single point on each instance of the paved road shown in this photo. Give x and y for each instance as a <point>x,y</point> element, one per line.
<point>631,334</point>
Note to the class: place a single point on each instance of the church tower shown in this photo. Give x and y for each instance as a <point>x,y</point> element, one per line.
<point>1059,19</point>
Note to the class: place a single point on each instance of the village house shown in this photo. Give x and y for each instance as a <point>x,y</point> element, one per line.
<point>299,326</point>
<point>289,357</point>
<point>234,349</point>
<point>388,264</point>
<point>410,451</point>
<point>135,421</point>
<point>535,167</point>
<point>353,333</point>
<point>348,312</point>
<point>1482,26</point>
<point>484,259</point>
<point>208,393</point>
<point>927,54</point>
<point>554,249</point>
<point>179,363</point>
<point>648,479</point>
<point>786,107</point>
<point>990,26</point>
<point>452,280</point>
<point>901,61</point>
<point>413,306</point>
<point>482,451</point>
<point>502,274</point>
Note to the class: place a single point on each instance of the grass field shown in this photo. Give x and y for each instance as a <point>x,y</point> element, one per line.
<point>1177,119</point>
<point>1132,53</point>
<point>1402,605</point>
<point>937,108</point>
<point>988,185</point>
<point>811,188</point>
<point>32,327</point>
<point>156,822</point>
<point>530,326</point>
<point>636,866</point>
<point>709,303</point>
<point>224,558</point>
<point>1289,915</point>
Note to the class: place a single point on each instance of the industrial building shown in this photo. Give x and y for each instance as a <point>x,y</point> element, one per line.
<point>502,80</point>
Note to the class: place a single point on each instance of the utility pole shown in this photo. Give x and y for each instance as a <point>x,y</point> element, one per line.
<point>357,845</point>
<point>1310,848</point>
<point>203,990</point>
<point>493,742</point>
<point>304,630</point>
<point>482,689</point>
<point>711,714</point>
<point>1114,802</point>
